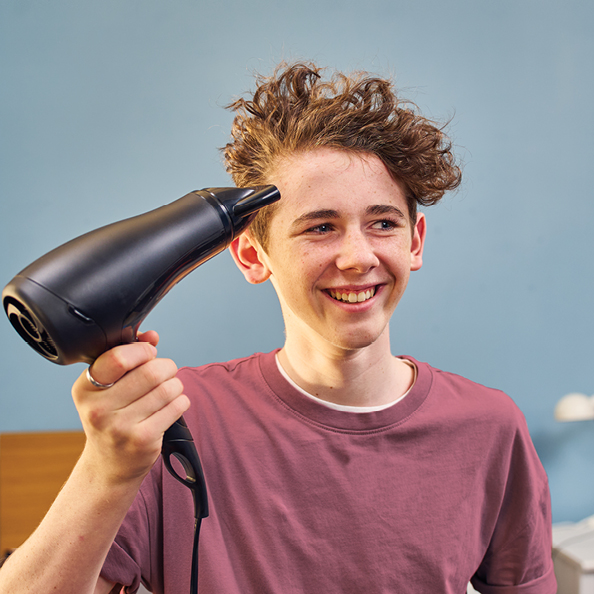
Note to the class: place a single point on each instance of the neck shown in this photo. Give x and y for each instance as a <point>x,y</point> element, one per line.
<point>367,376</point>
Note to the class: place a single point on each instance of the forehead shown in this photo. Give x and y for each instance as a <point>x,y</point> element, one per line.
<point>326,178</point>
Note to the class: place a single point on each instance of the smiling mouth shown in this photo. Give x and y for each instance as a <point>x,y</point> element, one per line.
<point>352,296</point>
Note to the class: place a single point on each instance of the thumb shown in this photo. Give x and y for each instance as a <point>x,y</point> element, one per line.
<point>149,336</point>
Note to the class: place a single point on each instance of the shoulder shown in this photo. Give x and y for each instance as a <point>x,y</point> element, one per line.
<point>485,422</point>
<point>237,379</point>
<point>228,369</point>
<point>454,400</point>
<point>459,388</point>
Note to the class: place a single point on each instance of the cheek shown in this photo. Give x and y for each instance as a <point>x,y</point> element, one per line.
<point>302,262</point>
<point>297,265</point>
<point>296,279</point>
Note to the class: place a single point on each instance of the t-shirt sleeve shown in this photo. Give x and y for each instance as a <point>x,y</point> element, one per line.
<point>518,558</point>
<point>135,554</point>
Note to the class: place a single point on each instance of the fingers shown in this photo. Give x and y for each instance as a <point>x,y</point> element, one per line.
<point>114,364</point>
<point>150,336</point>
<point>125,422</point>
<point>135,376</point>
<point>119,363</point>
<point>151,386</point>
<point>141,418</point>
<point>159,409</point>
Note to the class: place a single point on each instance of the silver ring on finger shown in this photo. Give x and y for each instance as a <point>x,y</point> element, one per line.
<point>95,382</point>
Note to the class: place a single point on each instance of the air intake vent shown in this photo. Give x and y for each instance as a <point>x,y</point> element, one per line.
<point>30,329</point>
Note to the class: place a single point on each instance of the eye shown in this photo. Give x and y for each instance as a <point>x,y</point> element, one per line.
<point>320,229</point>
<point>385,225</point>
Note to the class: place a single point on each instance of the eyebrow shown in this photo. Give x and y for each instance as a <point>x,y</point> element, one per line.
<point>382,209</point>
<point>315,215</point>
<point>326,213</point>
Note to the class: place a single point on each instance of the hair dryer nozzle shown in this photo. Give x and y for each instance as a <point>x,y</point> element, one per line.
<point>263,196</point>
<point>242,204</point>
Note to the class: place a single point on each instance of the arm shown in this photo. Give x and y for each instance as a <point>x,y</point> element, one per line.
<point>124,426</point>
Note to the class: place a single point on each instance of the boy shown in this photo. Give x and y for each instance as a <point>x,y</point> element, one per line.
<point>332,466</point>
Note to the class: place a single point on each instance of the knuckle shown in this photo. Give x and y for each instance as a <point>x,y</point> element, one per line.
<point>159,371</point>
<point>118,360</point>
<point>97,417</point>
<point>169,367</point>
<point>124,358</point>
<point>139,439</point>
<point>151,374</point>
<point>168,391</point>
<point>118,434</point>
<point>124,435</point>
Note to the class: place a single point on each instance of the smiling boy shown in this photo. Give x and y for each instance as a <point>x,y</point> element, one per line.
<point>332,465</point>
<point>339,254</point>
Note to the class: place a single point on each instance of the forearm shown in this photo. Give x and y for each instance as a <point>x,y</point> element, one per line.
<point>124,425</point>
<point>66,552</point>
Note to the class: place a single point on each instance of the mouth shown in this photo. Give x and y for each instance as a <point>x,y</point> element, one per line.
<point>351,296</point>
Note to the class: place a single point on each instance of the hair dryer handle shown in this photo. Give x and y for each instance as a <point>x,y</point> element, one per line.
<point>178,442</point>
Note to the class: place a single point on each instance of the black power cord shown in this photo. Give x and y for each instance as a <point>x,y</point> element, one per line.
<point>178,442</point>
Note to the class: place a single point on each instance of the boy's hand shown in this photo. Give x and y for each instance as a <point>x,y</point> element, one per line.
<point>124,423</point>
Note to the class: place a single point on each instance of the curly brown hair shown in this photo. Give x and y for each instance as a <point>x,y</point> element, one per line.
<point>295,110</point>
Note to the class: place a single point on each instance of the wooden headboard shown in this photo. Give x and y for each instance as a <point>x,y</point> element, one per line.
<point>33,468</point>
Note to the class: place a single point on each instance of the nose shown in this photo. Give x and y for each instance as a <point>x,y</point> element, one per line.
<point>356,253</point>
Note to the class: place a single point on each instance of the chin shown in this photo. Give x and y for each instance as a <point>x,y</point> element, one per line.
<point>353,343</point>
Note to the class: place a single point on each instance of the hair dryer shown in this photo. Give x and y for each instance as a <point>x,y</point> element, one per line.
<point>93,292</point>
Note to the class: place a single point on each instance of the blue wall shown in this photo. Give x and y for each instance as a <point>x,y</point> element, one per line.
<point>111,108</point>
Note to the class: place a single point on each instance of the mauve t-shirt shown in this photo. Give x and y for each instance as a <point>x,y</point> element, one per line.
<point>443,487</point>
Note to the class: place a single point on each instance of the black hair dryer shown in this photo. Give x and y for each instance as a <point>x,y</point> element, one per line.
<point>93,292</point>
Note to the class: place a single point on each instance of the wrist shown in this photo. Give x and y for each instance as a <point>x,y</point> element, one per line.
<point>109,476</point>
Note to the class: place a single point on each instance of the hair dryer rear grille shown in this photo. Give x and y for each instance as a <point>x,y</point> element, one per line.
<point>30,330</point>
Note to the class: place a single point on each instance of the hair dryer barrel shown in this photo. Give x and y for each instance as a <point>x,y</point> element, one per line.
<point>93,292</point>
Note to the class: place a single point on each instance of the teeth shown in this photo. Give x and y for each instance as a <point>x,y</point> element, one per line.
<point>353,297</point>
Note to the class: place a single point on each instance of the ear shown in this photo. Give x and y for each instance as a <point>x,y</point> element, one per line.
<point>418,242</point>
<point>249,257</point>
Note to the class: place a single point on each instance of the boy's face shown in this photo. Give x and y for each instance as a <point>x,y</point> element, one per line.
<point>340,249</point>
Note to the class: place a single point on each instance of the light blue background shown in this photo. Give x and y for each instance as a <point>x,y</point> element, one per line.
<point>112,108</point>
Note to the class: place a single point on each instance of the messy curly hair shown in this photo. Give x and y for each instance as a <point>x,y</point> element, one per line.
<point>296,110</point>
